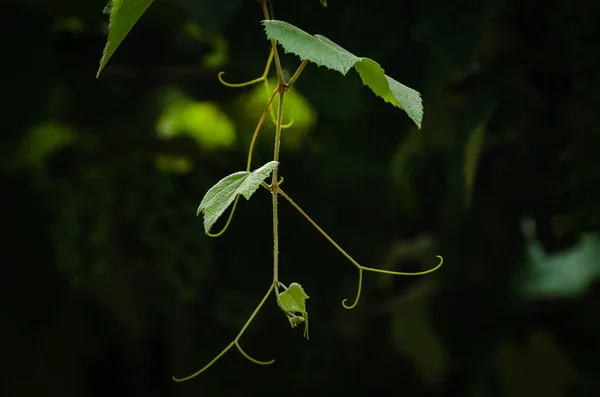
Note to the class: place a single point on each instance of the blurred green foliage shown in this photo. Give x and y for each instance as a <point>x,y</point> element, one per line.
<point>111,286</point>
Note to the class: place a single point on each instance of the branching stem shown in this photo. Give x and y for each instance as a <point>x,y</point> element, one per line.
<point>235,342</point>
<point>355,263</point>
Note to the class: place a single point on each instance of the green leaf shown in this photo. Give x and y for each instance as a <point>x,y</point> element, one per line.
<point>293,300</point>
<point>221,195</point>
<point>324,52</point>
<point>123,15</point>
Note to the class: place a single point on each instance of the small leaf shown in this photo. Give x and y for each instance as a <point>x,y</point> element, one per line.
<point>221,195</point>
<point>324,52</point>
<point>293,300</point>
<point>123,15</point>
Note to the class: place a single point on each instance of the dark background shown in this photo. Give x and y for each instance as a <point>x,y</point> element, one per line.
<point>110,286</point>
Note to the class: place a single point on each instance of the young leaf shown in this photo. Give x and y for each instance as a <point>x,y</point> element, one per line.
<point>293,300</point>
<point>123,15</point>
<point>221,195</point>
<point>324,52</point>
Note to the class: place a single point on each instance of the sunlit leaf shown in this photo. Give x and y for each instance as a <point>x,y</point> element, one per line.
<point>123,15</point>
<point>221,195</point>
<point>202,121</point>
<point>324,52</point>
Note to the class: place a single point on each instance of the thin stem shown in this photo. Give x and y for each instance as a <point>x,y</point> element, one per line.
<point>275,187</point>
<point>214,360</point>
<point>262,302</point>
<point>273,119</point>
<point>296,74</point>
<point>309,219</point>
<point>260,123</point>
<point>235,342</point>
<point>270,15</point>
<point>268,66</point>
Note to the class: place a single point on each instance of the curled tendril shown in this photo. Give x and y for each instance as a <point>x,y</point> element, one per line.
<point>238,85</point>
<point>236,343</point>
<point>263,77</point>
<point>355,263</point>
<point>360,280</point>
<point>288,125</point>
<point>369,269</point>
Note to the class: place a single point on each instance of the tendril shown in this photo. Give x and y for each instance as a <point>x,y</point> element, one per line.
<point>255,361</point>
<point>271,112</point>
<point>257,129</point>
<point>209,234</point>
<point>235,343</point>
<point>360,279</point>
<point>238,85</point>
<point>288,125</point>
<point>207,366</point>
<point>355,263</point>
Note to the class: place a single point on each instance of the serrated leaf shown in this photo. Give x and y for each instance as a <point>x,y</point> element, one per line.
<point>293,300</point>
<point>123,15</point>
<point>324,52</point>
<point>252,182</point>
<point>220,196</point>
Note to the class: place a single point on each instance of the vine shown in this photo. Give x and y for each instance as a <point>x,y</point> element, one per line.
<point>310,48</point>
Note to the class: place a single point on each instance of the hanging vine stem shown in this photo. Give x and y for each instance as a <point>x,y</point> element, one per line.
<point>236,343</point>
<point>274,187</point>
<point>355,263</point>
<point>282,86</point>
<point>275,190</point>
